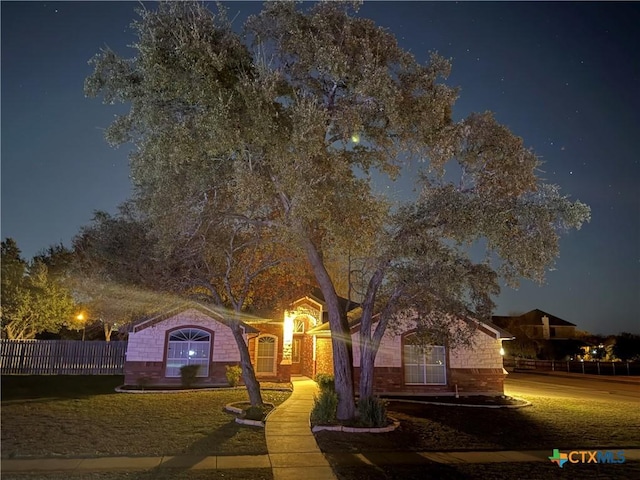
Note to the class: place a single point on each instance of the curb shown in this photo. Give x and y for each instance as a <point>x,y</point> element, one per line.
<point>341,428</point>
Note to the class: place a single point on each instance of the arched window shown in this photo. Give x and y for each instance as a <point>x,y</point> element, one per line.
<point>425,365</point>
<point>298,325</point>
<point>266,349</point>
<point>188,346</point>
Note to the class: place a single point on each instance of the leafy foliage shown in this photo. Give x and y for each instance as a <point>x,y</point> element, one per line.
<point>32,300</point>
<point>627,346</point>
<point>274,141</point>
<point>233,374</point>
<point>188,375</point>
<point>324,408</point>
<point>372,412</point>
<point>325,382</point>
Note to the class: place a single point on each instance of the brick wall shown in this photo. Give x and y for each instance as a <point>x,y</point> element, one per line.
<point>476,381</point>
<point>152,373</point>
<point>324,356</point>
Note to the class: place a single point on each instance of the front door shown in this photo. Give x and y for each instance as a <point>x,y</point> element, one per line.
<point>296,354</point>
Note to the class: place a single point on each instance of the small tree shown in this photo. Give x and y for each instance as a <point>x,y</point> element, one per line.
<point>32,301</point>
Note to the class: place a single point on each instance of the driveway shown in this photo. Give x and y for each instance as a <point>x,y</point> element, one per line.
<point>580,387</point>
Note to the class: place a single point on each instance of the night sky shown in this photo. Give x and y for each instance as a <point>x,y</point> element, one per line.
<point>564,76</point>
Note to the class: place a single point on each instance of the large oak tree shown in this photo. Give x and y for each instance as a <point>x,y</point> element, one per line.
<point>291,125</point>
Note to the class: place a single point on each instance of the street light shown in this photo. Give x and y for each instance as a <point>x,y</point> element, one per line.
<point>80,318</point>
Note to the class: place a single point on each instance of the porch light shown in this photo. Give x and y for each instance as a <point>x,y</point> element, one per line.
<point>502,351</point>
<point>287,336</point>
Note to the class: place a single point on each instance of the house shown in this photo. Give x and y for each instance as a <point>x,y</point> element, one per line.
<point>300,344</point>
<point>539,334</point>
<point>538,325</point>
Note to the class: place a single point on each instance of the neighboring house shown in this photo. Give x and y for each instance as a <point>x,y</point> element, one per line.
<point>300,344</point>
<point>538,325</point>
<point>539,334</point>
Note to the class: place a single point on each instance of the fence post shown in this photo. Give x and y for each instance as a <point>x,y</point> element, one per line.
<point>553,365</point>
<point>613,365</point>
<point>628,368</point>
<point>598,365</point>
<point>568,371</point>
<point>582,367</point>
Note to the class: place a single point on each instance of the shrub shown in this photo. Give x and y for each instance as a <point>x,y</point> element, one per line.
<point>373,412</point>
<point>233,373</point>
<point>324,408</point>
<point>188,375</point>
<point>326,382</point>
<point>143,381</point>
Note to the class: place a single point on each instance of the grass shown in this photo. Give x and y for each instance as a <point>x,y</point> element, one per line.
<point>493,471</point>
<point>83,417</point>
<point>550,423</point>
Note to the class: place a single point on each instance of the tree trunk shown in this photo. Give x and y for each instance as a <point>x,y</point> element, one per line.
<point>107,331</point>
<point>340,337</point>
<point>367,360</point>
<point>248,374</point>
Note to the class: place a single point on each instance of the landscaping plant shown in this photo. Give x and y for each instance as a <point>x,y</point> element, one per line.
<point>188,375</point>
<point>372,411</point>
<point>324,408</point>
<point>233,373</point>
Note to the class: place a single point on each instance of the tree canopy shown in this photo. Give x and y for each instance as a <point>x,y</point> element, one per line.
<point>290,126</point>
<point>32,300</point>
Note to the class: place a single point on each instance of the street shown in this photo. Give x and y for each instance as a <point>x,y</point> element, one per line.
<point>571,387</point>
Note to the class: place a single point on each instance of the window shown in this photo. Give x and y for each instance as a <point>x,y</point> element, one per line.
<point>189,346</point>
<point>295,351</point>
<point>266,355</point>
<point>425,365</point>
<point>298,326</point>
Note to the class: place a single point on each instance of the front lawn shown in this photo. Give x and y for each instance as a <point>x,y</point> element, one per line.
<point>550,423</point>
<point>83,416</point>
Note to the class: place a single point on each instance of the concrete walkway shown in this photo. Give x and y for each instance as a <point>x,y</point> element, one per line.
<point>293,450</point>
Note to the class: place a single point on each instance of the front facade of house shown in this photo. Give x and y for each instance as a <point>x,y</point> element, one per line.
<point>300,344</point>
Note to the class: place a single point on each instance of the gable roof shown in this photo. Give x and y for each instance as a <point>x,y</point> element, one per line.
<point>534,317</point>
<point>216,313</point>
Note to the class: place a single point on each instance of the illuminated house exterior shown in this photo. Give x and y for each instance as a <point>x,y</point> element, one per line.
<point>300,344</point>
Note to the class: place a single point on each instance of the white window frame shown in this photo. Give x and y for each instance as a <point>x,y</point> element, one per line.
<point>427,362</point>
<point>198,351</point>
<point>258,357</point>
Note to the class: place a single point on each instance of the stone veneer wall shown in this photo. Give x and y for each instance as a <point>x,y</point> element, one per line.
<point>146,350</point>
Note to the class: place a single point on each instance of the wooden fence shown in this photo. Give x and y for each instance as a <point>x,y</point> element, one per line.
<point>61,357</point>
<point>574,366</point>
